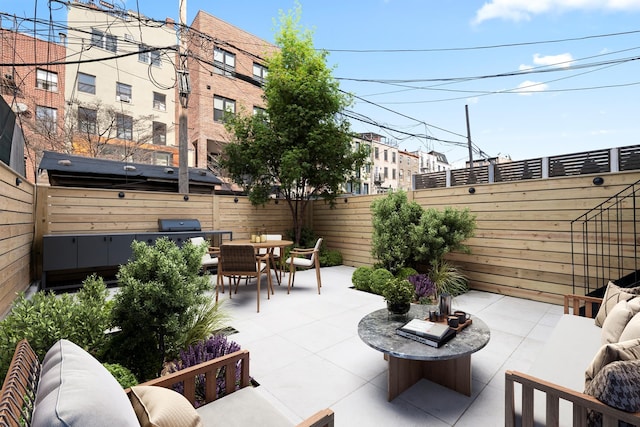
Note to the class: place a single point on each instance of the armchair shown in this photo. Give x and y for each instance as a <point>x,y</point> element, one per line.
<point>298,259</point>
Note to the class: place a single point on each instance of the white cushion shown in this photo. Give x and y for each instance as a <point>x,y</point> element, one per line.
<point>163,407</point>
<point>301,262</point>
<point>76,390</point>
<point>632,330</point>
<point>615,322</point>
<point>613,295</point>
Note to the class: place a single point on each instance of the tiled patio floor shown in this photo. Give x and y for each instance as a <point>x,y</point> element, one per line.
<point>306,354</point>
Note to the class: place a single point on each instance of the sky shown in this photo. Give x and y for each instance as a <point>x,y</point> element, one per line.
<point>538,78</point>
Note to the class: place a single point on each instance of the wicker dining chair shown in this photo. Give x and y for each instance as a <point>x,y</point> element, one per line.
<point>238,261</point>
<point>304,258</point>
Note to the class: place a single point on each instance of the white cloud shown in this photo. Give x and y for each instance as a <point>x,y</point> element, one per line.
<point>564,60</point>
<point>523,10</point>
<point>528,87</point>
<point>524,67</point>
<point>473,100</point>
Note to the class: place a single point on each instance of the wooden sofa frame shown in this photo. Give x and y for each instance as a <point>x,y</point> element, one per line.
<point>20,386</point>
<point>582,403</point>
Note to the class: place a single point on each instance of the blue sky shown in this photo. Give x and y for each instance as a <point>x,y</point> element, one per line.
<point>580,93</point>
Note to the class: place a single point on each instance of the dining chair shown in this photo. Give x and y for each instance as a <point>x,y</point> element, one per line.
<point>208,261</point>
<point>276,256</point>
<point>238,261</point>
<point>304,258</point>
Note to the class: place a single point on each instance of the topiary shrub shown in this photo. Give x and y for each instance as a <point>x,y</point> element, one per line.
<point>361,278</point>
<point>124,376</point>
<point>330,258</point>
<point>160,290</point>
<point>405,272</point>
<point>46,318</point>
<point>379,279</point>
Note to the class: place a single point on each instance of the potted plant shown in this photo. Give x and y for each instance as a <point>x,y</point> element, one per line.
<point>398,293</point>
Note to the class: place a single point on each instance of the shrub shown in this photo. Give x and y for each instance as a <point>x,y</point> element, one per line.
<point>160,289</point>
<point>46,318</point>
<point>405,272</point>
<point>448,279</point>
<point>361,278</point>
<point>379,279</point>
<point>202,351</point>
<point>206,319</point>
<point>398,291</point>
<point>124,376</point>
<point>394,221</point>
<point>330,258</point>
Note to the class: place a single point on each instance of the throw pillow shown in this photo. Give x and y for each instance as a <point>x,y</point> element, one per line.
<point>76,390</point>
<point>632,330</point>
<point>624,350</point>
<point>616,385</point>
<point>616,321</point>
<point>613,295</point>
<point>163,407</point>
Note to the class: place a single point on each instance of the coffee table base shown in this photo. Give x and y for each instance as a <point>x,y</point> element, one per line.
<point>452,373</point>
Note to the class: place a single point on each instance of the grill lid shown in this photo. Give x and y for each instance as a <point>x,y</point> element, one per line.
<point>167,224</point>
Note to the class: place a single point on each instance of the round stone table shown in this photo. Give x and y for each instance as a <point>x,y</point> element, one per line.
<point>410,361</point>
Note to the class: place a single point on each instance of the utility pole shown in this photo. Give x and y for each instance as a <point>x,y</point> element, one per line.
<point>472,176</point>
<point>184,89</point>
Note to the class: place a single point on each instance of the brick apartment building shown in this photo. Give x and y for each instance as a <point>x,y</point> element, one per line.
<point>34,92</point>
<point>226,75</point>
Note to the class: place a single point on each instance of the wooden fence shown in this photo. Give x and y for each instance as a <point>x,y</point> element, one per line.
<point>522,245</point>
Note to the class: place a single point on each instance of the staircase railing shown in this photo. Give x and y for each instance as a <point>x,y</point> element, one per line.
<point>604,243</point>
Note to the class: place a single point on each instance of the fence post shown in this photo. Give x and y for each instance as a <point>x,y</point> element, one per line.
<point>614,160</point>
<point>545,167</point>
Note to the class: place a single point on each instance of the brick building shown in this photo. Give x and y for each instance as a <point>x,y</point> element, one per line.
<point>227,73</point>
<point>35,92</point>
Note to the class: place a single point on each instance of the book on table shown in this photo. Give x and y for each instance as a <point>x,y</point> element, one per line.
<point>430,333</point>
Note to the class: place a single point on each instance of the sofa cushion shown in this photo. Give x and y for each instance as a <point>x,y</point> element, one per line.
<point>632,330</point>
<point>616,321</point>
<point>625,350</point>
<point>245,407</point>
<point>76,390</point>
<point>613,295</point>
<point>162,407</point>
<point>617,385</point>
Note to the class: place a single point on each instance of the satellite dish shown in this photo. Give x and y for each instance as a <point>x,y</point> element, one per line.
<point>19,107</point>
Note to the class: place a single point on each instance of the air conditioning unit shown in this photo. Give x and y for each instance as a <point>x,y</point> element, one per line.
<point>123,98</point>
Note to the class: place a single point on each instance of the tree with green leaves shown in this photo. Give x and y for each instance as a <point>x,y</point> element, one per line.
<point>301,145</point>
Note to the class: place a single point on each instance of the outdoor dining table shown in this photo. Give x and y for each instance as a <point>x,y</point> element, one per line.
<point>269,245</point>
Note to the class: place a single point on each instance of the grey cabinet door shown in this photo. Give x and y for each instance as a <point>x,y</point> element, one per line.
<point>93,251</point>
<point>120,248</point>
<point>59,252</point>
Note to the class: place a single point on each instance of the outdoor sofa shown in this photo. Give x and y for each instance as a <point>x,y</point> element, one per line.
<point>588,372</point>
<point>71,388</point>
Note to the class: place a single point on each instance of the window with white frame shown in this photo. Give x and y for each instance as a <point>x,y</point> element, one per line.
<point>222,105</point>
<point>224,62</point>
<point>159,133</point>
<point>161,158</point>
<point>259,72</point>
<point>393,157</point>
<point>87,120</point>
<point>159,101</point>
<point>46,80</point>
<point>86,83</point>
<point>386,155</point>
<point>124,127</point>
<point>123,92</point>
<point>401,175</point>
<point>149,57</point>
<point>46,118</point>
<point>104,40</point>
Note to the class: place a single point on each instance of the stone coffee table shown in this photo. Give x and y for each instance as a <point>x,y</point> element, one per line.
<point>410,361</point>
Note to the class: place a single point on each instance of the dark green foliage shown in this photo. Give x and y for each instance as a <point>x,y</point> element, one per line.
<point>330,258</point>
<point>46,318</point>
<point>361,278</point>
<point>308,237</point>
<point>379,279</point>
<point>160,289</point>
<point>447,278</point>
<point>124,376</point>
<point>394,222</point>
<point>405,272</point>
<point>398,291</point>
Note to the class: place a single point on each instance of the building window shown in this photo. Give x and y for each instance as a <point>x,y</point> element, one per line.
<point>149,57</point>
<point>162,159</point>
<point>224,62</point>
<point>401,174</point>
<point>259,72</point>
<point>46,80</point>
<point>86,83</point>
<point>393,173</point>
<point>386,172</point>
<point>104,40</point>
<point>123,92</point>
<point>159,133</point>
<point>222,105</point>
<point>386,155</point>
<point>124,127</point>
<point>393,157</point>
<point>376,153</point>
<point>46,118</point>
<point>87,120</point>
<point>365,188</point>
<point>159,101</point>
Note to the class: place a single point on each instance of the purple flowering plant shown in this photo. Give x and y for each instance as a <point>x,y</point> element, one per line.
<point>425,288</point>
<point>202,351</point>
